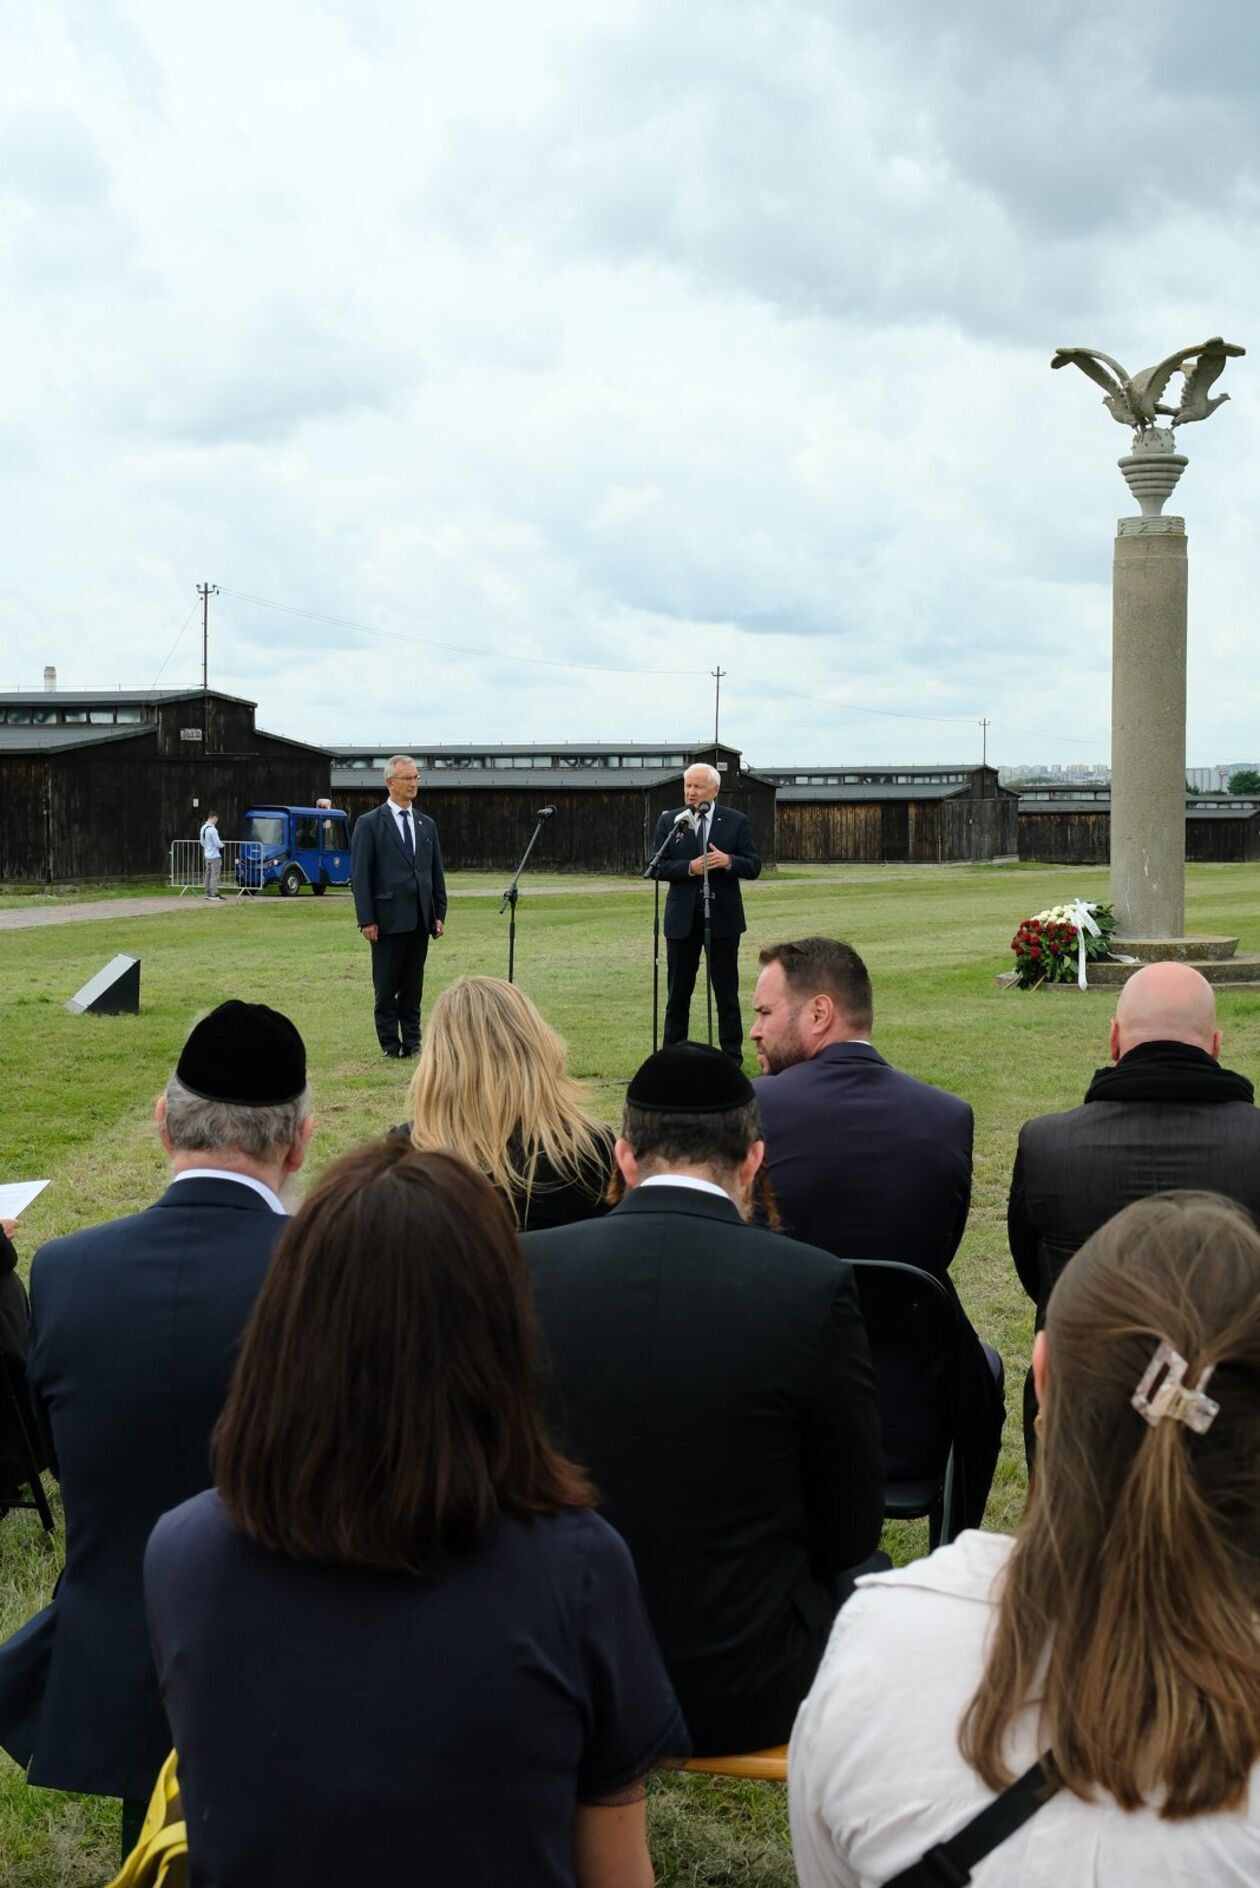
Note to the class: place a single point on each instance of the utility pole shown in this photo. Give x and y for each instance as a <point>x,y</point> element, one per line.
<point>984,743</point>
<point>717,675</point>
<point>205,591</point>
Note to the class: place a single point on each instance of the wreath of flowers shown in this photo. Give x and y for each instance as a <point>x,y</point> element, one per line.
<point>1047,947</point>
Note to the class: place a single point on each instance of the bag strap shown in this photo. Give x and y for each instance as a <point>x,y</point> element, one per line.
<point>949,1864</point>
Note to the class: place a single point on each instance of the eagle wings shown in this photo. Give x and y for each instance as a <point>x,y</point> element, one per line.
<point>1136,399</point>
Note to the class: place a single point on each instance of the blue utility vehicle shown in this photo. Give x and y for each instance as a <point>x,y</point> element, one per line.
<point>292,846</point>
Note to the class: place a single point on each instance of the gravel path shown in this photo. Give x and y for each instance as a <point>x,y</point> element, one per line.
<point>93,910</point>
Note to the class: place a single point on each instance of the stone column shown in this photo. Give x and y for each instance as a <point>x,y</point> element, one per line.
<point>1148,701</point>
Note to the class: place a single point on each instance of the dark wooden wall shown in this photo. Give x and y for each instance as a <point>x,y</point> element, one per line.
<point>1223,840</point>
<point>592,829</point>
<point>979,829</point>
<point>1052,838</point>
<point>920,832</point>
<point>231,728</point>
<point>24,818</point>
<point>111,811</point>
<point>1058,838</point>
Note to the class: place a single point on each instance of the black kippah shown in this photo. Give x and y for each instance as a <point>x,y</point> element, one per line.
<point>246,1054</point>
<point>690,1078</point>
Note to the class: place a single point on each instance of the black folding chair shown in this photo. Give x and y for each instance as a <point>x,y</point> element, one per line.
<point>913,1330</point>
<point>18,1441</point>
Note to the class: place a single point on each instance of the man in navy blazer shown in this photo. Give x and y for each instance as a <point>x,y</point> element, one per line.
<point>869,1163</point>
<point>726,837</point>
<point>134,1332</point>
<point>399,901</point>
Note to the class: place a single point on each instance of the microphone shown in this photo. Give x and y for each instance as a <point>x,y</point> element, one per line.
<point>685,818</point>
<point>703,808</point>
<point>544,812</point>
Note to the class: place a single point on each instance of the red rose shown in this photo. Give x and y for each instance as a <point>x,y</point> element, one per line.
<point>1035,951</point>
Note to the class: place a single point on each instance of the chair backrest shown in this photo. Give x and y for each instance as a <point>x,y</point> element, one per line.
<point>913,1330</point>
<point>21,1454</point>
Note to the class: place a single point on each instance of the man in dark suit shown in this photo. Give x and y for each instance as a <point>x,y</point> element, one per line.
<point>1164,1115</point>
<point>399,901</point>
<point>869,1163</point>
<point>725,838</point>
<point>134,1332</point>
<point>716,1381</point>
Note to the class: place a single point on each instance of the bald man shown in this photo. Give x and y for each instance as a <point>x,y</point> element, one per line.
<point>1164,1114</point>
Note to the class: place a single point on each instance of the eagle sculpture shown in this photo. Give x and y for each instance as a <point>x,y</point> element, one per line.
<point>1135,399</point>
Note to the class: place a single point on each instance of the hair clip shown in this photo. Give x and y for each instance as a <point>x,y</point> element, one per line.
<point>1190,1407</point>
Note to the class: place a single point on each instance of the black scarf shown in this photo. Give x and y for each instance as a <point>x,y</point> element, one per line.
<point>1169,1071</point>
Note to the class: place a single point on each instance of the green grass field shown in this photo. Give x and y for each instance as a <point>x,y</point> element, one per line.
<point>77,1092</point>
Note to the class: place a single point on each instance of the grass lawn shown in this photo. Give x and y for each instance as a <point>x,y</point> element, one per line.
<point>76,1098</point>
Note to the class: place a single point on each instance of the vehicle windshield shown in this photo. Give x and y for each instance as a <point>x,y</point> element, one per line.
<point>266,828</point>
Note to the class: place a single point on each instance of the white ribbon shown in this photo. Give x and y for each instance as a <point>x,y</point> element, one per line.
<point>1081,915</point>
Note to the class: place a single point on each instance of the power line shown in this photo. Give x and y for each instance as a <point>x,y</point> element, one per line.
<point>174,646</point>
<point>598,668</point>
<point>461,649</point>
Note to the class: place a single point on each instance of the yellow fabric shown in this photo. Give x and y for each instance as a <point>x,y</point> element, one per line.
<point>160,1857</point>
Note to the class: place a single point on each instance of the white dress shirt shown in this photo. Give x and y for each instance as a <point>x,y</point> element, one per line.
<point>685,1180</point>
<point>260,1187</point>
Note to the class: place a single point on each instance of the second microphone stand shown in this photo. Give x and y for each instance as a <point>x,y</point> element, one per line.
<point>703,813</point>
<point>652,871</point>
<point>512,893</point>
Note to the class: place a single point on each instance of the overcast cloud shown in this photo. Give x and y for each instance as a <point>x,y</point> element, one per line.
<point>640,339</point>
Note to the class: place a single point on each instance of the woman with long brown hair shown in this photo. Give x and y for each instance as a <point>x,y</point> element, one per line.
<point>397,1644</point>
<point>1116,1638</point>
<point>491,1084</point>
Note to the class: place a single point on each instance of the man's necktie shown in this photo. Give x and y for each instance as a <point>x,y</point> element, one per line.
<point>702,832</point>
<point>409,844</point>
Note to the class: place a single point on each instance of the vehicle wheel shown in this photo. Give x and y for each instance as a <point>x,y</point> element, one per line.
<point>319,890</point>
<point>290,882</point>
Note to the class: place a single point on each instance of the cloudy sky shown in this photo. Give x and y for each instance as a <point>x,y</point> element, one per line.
<point>512,367</point>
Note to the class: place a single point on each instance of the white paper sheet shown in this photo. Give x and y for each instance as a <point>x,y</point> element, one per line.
<point>17,1195</point>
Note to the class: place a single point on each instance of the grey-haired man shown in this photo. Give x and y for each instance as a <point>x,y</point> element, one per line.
<point>134,1332</point>
<point>399,901</point>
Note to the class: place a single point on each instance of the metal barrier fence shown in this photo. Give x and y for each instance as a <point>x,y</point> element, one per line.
<point>188,866</point>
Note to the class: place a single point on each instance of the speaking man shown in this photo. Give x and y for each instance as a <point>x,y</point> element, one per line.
<point>399,901</point>
<point>702,830</point>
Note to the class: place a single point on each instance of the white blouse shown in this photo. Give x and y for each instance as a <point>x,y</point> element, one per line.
<point>875,1776</point>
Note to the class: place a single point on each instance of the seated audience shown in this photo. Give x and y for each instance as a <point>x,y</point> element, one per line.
<point>1115,1637</point>
<point>491,1085</point>
<point>397,1645</point>
<point>716,1380</point>
<point>1164,1114</point>
<point>869,1163</point>
<point>133,1336</point>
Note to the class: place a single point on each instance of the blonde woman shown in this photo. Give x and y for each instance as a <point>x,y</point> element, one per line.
<point>491,1085</point>
<point>1116,1637</point>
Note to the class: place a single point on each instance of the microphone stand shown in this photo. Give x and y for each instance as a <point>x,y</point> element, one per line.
<point>651,870</point>
<point>708,933</point>
<point>511,894</point>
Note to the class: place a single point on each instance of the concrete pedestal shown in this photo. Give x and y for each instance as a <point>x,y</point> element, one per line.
<point>1148,728</point>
